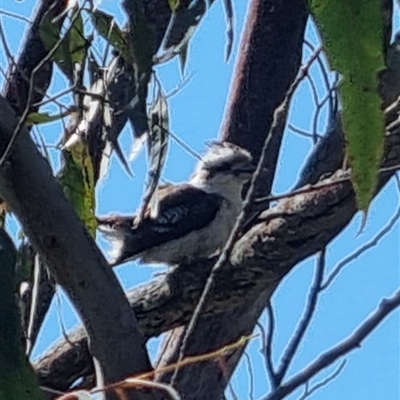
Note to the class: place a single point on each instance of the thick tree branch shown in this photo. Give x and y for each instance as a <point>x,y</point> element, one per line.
<point>162,305</point>
<point>33,52</point>
<point>17,378</point>
<point>158,300</point>
<point>282,237</point>
<point>269,60</point>
<point>28,186</point>
<point>209,378</point>
<point>16,92</point>
<point>268,64</point>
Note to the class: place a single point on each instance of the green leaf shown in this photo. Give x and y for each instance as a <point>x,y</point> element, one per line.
<point>174,4</point>
<point>50,33</point>
<point>107,27</point>
<point>140,37</point>
<point>157,145</point>
<point>73,46</point>
<point>77,43</point>
<point>17,379</point>
<point>352,32</point>
<point>37,118</point>
<point>77,181</point>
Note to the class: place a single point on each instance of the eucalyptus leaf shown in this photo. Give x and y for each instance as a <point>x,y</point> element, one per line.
<point>77,181</point>
<point>38,118</point>
<point>174,4</point>
<point>352,33</point>
<point>71,48</point>
<point>107,27</point>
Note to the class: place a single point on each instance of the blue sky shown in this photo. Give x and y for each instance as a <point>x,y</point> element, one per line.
<point>197,112</point>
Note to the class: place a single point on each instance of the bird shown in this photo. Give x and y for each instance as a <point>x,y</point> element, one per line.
<point>194,219</point>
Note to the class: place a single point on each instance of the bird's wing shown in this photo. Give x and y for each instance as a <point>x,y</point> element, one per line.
<point>182,209</point>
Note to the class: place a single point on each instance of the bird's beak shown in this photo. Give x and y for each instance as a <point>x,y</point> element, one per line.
<point>248,169</point>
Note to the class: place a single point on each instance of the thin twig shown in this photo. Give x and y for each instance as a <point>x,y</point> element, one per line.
<point>185,146</point>
<point>321,65</point>
<point>390,169</point>
<point>52,99</point>
<point>225,373</point>
<point>61,320</point>
<point>250,374</point>
<point>308,392</point>
<point>279,116</point>
<point>362,249</point>
<point>302,132</point>
<point>260,202</point>
<point>354,341</point>
<point>16,16</point>
<point>304,323</point>
<point>308,189</point>
<point>268,345</point>
<point>181,85</point>
<point>319,105</point>
<point>392,106</point>
<point>25,112</point>
<point>33,304</point>
<point>5,45</point>
<point>23,75</point>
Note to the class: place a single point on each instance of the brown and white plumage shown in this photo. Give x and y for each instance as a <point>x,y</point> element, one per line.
<point>194,219</point>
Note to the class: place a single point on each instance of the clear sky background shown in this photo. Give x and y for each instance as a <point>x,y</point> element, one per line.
<point>197,112</point>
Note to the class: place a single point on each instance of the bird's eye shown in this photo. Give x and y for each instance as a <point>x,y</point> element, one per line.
<point>215,168</point>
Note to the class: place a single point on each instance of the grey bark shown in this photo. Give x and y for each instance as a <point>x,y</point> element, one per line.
<point>162,305</point>
<point>29,188</point>
<point>282,237</point>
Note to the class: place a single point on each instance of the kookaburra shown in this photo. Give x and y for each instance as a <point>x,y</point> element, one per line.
<point>194,219</point>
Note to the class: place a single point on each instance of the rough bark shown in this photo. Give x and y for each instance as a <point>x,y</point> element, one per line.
<point>208,380</point>
<point>282,237</point>
<point>28,186</point>
<point>33,52</point>
<point>271,248</point>
<point>161,305</point>
<point>268,64</point>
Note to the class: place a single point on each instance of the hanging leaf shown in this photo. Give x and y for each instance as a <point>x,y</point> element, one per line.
<point>352,32</point>
<point>50,33</point>
<point>228,6</point>
<point>37,118</point>
<point>77,181</point>
<point>77,43</point>
<point>140,38</point>
<point>183,24</point>
<point>157,146</point>
<point>107,27</point>
<point>174,4</point>
<point>183,54</point>
<point>71,48</point>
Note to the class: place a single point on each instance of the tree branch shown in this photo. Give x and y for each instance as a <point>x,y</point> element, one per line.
<point>17,379</point>
<point>353,342</point>
<point>33,52</point>
<point>28,186</point>
<point>274,31</point>
<point>281,238</point>
<point>304,323</point>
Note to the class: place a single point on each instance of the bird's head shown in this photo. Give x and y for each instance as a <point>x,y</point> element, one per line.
<point>224,167</point>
